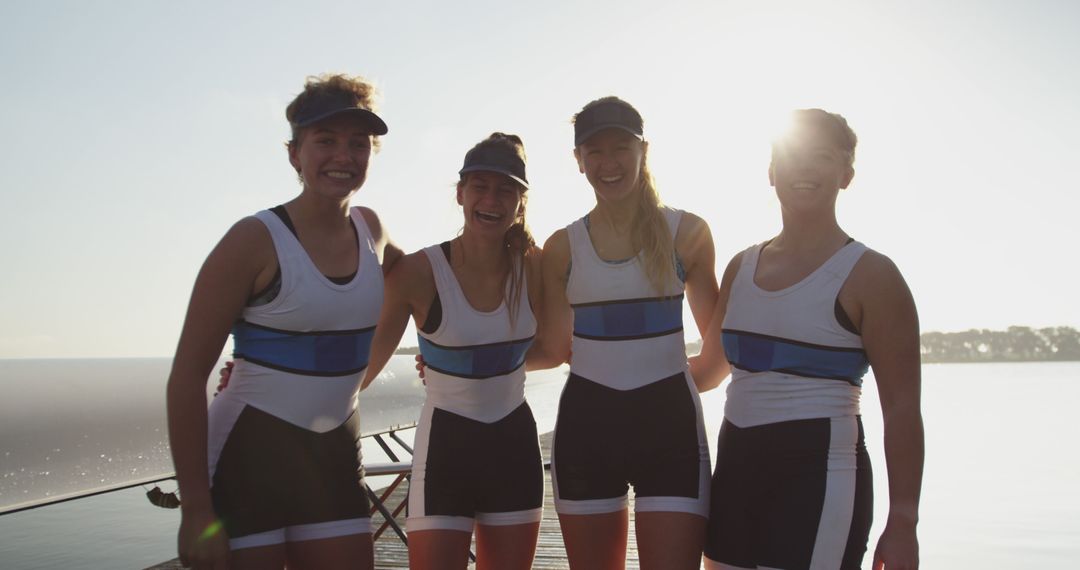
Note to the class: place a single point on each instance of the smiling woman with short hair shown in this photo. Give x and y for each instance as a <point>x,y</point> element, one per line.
<point>270,475</point>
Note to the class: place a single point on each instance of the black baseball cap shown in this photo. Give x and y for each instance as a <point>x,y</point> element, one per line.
<point>614,114</point>
<point>502,159</point>
<point>325,104</point>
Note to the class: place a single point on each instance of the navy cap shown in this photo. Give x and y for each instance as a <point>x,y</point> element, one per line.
<point>495,158</point>
<point>325,104</point>
<point>607,115</point>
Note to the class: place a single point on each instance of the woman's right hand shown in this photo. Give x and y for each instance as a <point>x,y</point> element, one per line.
<point>223,377</point>
<point>419,358</point>
<point>202,542</point>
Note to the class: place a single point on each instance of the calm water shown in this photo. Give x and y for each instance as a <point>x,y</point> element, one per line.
<point>1000,490</point>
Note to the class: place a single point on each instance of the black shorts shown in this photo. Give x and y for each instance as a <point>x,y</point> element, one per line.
<point>466,471</point>
<point>276,482</point>
<point>795,494</point>
<point>651,437</point>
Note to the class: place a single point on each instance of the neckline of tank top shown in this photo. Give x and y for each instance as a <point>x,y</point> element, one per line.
<point>502,308</point>
<point>339,282</point>
<point>596,254</point>
<point>800,283</point>
<point>680,270</point>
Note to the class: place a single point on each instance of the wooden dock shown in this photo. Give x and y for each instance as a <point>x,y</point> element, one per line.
<point>390,552</point>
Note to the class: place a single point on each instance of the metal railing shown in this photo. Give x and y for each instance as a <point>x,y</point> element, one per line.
<point>401,470</point>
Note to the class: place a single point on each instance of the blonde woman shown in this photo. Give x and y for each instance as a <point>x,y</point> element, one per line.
<point>629,415</point>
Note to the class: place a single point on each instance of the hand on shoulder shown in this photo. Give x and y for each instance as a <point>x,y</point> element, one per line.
<point>389,253</point>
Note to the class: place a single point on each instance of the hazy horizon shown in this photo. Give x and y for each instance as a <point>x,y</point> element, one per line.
<point>138,132</point>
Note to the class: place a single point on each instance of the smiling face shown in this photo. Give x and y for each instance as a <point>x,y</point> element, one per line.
<point>491,202</point>
<point>612,161</point>
<point>808,170</point>
<point>332,156</point>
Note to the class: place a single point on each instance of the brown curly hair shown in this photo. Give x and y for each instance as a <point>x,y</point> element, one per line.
<point>363,92</point>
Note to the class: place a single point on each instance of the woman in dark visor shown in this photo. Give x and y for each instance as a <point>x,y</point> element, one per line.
<point>270,475</point>
<point>614,282</point>
<point>477,460</point>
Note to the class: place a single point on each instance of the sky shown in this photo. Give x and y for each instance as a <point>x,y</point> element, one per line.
<point>137,132</point>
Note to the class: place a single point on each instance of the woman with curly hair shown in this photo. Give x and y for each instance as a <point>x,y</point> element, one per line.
<point>270,475</point>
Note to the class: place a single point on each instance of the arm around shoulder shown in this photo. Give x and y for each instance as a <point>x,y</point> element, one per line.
<point>407,285</point>
<point>694,244</point>
<point>711,366</point>
<point>554,319</point>
<point>389,253</point>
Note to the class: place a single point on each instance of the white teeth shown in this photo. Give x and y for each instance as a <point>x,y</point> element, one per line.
<point>490,216</point>
<point>339,174</point>
<point>610,179</point>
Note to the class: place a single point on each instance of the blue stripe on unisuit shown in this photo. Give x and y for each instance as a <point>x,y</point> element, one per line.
<point>478,361</point>
<point>634,318</point>
<point>318,353</point>
<point>758,353</point>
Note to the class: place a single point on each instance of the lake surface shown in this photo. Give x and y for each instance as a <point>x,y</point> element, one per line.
<point>1001,486</point>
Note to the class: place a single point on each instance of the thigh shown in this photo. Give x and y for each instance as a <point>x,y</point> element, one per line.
<point>827,500</point>
<point>328,481</point>
<point>258,558</point>
<point>669,540</point>
<point>815,516</point>
<point>595,542</point>
<point>506,547</point>
<point>734,510</point>
<point>509,477</point>
<point>439,549</point>
<point>670,465</point>
<point>274,475</point>
<point>587,452</point>
<point>251,478</point>
<point>351,552</point>
<point>441,484</point>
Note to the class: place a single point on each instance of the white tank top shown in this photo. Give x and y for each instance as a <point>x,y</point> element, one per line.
<point>791,359</point>
<point>626,335</point>
<point>301,356</point>
<point>475,361</point>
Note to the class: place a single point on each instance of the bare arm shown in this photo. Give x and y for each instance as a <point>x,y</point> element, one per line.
<point>880,303</point>
<point>407,284</point>
<point>537,354</point>
<point>242,262</point>
<point>711,366</point>
<point>695,246</point>
<point>552,346</point>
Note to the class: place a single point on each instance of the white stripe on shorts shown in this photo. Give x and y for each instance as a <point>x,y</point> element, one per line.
<point>839,505</point>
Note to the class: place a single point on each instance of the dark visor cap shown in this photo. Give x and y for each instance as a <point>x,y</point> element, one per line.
<point>607,115</point>
<point>325,105</point>
<point>500,159</point>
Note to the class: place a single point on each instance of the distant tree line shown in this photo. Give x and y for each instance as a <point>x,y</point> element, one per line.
<point>1017,344</point>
